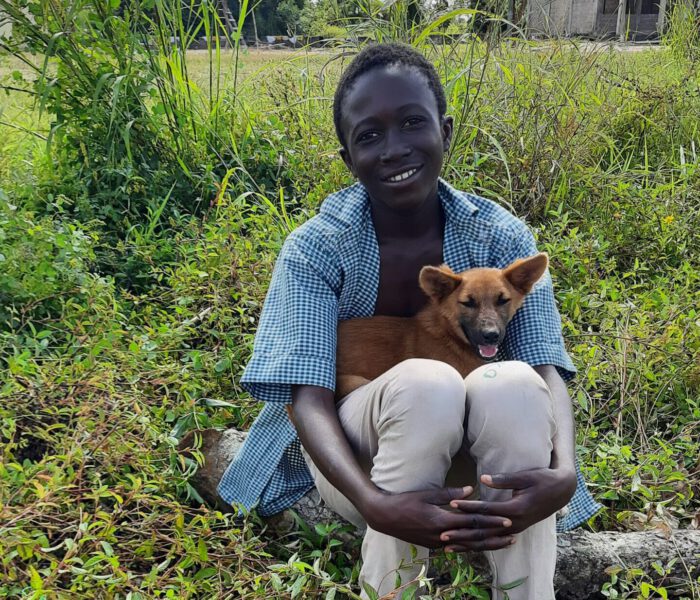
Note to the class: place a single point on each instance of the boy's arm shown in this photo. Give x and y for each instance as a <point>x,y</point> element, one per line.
<point>415,517</point>
<point>316,420</point>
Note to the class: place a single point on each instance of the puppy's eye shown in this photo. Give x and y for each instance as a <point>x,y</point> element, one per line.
<point>469,303</point>
<point>502,300</point>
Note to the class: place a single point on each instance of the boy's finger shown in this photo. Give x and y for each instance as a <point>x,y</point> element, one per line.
<point>482,507</point>
<point>496,543</point>
<point>458,493</point>
<point>448,494</point>
<point>502,481</point>
<point>477,527</point>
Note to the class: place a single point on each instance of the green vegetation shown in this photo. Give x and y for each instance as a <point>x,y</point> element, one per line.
<point>144,194</point>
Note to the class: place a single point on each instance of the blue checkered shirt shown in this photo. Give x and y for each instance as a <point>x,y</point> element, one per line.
<point>328,270</point>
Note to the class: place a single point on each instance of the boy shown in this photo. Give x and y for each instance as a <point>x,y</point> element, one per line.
<point>382,455</point>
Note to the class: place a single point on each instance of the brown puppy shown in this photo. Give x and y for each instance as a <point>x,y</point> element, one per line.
<point>462,325</point>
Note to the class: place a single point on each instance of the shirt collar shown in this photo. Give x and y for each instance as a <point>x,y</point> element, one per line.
<point>457,205</point>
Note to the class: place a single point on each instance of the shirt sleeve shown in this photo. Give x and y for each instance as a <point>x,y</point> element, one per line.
<point>534,335</point>
<point>296,337</point>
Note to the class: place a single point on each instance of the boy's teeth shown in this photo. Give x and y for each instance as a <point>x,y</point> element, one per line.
<point>402,176</point>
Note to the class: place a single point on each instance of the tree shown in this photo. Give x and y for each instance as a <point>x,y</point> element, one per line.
<point>271,17</point>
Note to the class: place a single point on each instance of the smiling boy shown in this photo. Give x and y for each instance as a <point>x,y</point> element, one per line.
<point>399,455</point>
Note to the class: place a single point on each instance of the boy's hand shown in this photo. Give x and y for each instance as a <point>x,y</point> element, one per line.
<point>421,518</point>
<point>537,493</point>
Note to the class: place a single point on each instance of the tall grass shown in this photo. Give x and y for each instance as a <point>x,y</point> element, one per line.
<point>682,33</point>
<point>128,127</point>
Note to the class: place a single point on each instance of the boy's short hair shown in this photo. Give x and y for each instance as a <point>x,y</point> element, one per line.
<point>382,55</point>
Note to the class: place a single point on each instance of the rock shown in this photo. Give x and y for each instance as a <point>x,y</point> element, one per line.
<point>585,559</point>
<point>219,448</point>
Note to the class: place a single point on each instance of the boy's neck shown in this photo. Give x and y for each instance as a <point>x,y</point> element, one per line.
<point>426,221</point>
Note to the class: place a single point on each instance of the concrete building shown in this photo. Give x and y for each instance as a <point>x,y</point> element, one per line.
<point>622,19</point>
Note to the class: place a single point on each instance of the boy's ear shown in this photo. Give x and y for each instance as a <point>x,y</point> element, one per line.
<point>438,282</point>
<point>345,155</point>
<point>447,129</point>
<point>525,272</point>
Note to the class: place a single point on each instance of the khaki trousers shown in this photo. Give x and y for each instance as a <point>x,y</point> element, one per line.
<point>407,429</point>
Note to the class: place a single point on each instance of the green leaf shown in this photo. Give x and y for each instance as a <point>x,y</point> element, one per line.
<point>370,591</point>
<point>202,550</point>
<point>298,586</point>
<point>582,399</point>
<point>204,573</point>
<point>222,365</point>
<point>35,579</point>
<point>218,403</point>
<point>106,546</point>
<point>512,584</point>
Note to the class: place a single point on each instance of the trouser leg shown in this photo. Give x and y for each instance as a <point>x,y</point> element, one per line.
<point>510,427</point>
<point>404,428</point>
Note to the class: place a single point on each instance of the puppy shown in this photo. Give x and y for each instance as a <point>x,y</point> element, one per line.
<point>463,324</point>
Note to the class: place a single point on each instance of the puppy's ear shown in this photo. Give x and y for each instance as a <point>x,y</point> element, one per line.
<point>438,282</point>
<point>525,272</point>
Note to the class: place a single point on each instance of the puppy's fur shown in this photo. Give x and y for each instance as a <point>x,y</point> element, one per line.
<point>462,325</point>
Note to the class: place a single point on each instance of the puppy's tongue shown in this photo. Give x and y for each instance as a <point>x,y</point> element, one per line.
<point>488,351</point>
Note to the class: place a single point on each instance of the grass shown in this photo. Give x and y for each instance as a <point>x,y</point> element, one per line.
<point>120,331</point>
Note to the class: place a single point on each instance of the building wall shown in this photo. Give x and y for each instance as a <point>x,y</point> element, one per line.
<point>583,17</point>
<point>548,18</point>
<point>561,18</point>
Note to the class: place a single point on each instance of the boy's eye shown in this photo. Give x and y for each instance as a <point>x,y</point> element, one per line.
<point>413,121</point>
<point>469,303</point>
<point>367,136</point>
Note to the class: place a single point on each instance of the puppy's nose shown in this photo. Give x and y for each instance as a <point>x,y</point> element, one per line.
<point>490,336</point>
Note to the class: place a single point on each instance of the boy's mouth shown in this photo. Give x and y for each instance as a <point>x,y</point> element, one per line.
<point>403,175</point>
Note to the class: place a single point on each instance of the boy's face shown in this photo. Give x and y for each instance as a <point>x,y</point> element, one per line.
<point>395,139</point>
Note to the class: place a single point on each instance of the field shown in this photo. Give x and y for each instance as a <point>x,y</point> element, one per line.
<point>142,204</point>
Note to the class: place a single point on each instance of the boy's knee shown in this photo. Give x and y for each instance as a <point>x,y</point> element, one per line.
<point>428,390</point>
<point>505,380</point>
<point>511,421</point>
<point>511,391</point>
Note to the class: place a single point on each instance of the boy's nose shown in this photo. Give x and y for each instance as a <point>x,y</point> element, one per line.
<point>394,148</point>
<point>392,153</point>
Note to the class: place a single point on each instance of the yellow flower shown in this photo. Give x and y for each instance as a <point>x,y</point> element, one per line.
<point>669,219</point>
